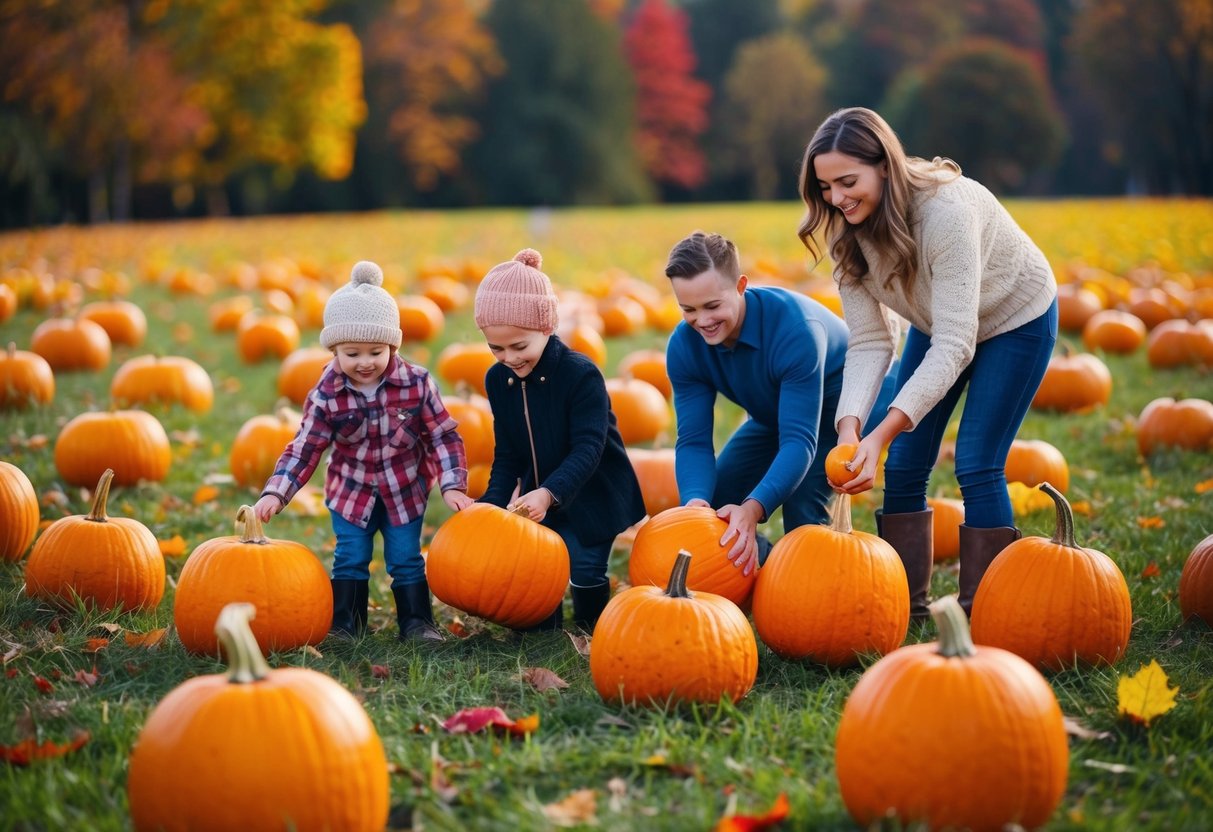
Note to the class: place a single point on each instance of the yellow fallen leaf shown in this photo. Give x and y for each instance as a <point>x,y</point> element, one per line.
<point>205,494</point>
<point>1026,499</point>
<point>1151,522</point>
<point>149,639</point>
<point>308,502</point>
<point>1146,694</point>
<point>1205,486</point>
<point>174,547</point>
<point>580,807</point>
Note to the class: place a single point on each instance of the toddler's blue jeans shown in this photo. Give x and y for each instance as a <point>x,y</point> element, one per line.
<point>401,548</point>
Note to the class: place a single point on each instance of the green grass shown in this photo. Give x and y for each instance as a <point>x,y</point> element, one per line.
<point>739,757</point>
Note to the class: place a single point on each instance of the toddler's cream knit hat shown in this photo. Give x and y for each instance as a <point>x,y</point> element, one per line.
<point>516,293</point>
<point>362,310</point>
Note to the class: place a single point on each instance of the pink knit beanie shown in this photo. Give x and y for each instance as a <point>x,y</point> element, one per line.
<point>516,293</point>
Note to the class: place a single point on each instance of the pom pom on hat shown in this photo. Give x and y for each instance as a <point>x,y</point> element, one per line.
<point>516,293</point>
<point>362,311</point>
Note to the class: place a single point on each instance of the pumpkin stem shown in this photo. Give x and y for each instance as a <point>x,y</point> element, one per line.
<point>248,526</point>
<point>96,512</point>
<point>677,588</point>
<point>840,514</point>
<point>955,640</point>
<point>244,659</point>
<point>1064,532</point>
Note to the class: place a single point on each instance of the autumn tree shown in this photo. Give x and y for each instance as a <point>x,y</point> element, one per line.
<point>557,124</point>
<point>671,105</point>
<point>774,98</point>
<point>1151,66</point>
<point>984,104</point>
<point>425,61</point>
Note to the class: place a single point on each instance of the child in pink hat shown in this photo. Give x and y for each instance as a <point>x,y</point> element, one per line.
<point>559,454</point>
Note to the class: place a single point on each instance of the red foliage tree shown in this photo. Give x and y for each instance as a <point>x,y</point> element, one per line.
<point>671,105</point>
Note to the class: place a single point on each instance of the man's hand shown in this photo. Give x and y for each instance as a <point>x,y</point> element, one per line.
<point>456,500</point>
<point>535,502</point>
<point>743,528</point>
<point>267,507</point>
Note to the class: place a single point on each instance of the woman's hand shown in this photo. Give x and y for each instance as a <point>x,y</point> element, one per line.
<point>456,500</point>
<point>267,507</point>
<point>535,502</point>
<point>862,464</point>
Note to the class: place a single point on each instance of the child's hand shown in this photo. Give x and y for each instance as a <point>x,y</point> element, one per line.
<point>456,500</point>
<point>267,507</point>
<point>535,502</point>
<point>698,501</point>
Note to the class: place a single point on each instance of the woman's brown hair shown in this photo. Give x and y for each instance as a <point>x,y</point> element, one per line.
<point>862,134</point>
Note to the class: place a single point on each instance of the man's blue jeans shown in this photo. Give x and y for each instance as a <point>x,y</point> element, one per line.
<point>1002,379</point>
<point>401,548</point>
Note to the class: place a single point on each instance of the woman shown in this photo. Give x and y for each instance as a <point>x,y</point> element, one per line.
<point>918,239</point>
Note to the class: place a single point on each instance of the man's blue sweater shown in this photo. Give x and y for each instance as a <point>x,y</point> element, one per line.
<point>786,364</point>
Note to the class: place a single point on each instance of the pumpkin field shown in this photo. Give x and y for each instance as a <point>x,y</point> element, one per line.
<point>176,356</point>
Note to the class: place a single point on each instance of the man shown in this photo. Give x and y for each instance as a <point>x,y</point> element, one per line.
<point>779,355</point>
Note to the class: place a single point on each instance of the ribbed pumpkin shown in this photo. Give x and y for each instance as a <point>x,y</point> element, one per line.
<point>257,749</point>
<point>698,530</point>
<point>123,321</point>
<point>652,646</point>
<point>131,442</point>
<point>1196,583</point>
<point>586,340</point>
<point>647,365</point>
<point>953,735</point>
<point>259,336</point>
<point>300,371</point>
<point>621,315</point>
<point>831,593</point>
<point>69,344</point>
<point>658,483</point>
<point>1075,305</point>
<point>497,565</point>
<point>465,364</point>
<point>1164,422</point>
<point>25,378</point>
<point>1074,382</point>
<point>421,319</point>
<point>475,418</point>
<point>281,578</point>
<point>1052,601</point>
<point>259,443</point>
<point>108,562</point>
<point>19,513</point>
<point>1112,330</point>
<point>640,410</point>
<point>947,516</point>
<point>170,379</point>
<point>1033,461</point>
<point>1176,343</point>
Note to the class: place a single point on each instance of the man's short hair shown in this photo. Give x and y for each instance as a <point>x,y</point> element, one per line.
<point>700,252</point>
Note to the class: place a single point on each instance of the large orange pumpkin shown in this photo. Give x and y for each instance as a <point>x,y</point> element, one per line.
<point>226,314</point>
<point>499,566</point>
<point>586,340</point>
<point>647,365</point>
<point>259,336</point>
<point>106,562</point>
<point>1052,601</point>
<point>25,378</point>
<point>123,321</point>
<point>1187,424</point>
<point>257,749</point>
<point>1033,461</point>
<point>259,443</point>
<point>69,344</point>
<point>946,519</point>
<point>829,593</point>
<point>953,735</point>
<point>1074,382</point>
<point>653,646</point>
<point>1112,330</point>
<point>131,442</point>
<point>1075,305</point>
<point>281,578</point>
<point>658,482</point>
<point>698,530</point>
<point>465,364</point>
<point>421,319</point>
<point>1196,583</point>
<point>170,379</point>
<point>19,513</point>
<point>301,370</point>
<point>475,418</point>
<point>640,410</point>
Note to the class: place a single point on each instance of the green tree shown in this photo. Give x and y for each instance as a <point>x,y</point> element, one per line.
<point>1151,66</point>
<point>558,124</point>
<point>984,104</point>
<point>774,98</point>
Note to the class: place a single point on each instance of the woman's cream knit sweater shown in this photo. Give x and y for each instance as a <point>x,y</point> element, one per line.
<point>979,275</point>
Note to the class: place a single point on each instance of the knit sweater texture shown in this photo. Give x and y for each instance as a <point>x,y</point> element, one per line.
<point>979,275</point>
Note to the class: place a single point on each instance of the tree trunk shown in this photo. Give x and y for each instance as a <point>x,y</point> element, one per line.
<point>122,181</point>
<point>98,196</point>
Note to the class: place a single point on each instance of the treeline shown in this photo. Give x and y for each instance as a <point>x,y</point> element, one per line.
<point>117,109</point>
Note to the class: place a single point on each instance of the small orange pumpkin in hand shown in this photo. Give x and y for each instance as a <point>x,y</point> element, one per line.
<point>836,464</point>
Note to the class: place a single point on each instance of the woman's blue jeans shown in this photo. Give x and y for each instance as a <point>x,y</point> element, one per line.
<point>1002,379</point>
<point>401,548</point>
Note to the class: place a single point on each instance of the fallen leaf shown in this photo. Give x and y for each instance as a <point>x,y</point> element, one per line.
<point>579,807</point>
<point>174,547</point>
<point>1026,499</point>
<point>618,789</point>
<point>205,494</point>
<point>381,671</point>
<point>612,721</point>
<point>1151,570</point>
<point>26,751</point>
<point>1151,522</point>
<point>457,629</point>
<point>1146,694</point>
<point>150,639</point>
<point>110,627</point>
<point>217,478</point>
<point>748,823</point>
<point>86,678</point>
<point>1204,486</point>
<point>43,685</point>
<point>1077,729</point>
<point>580,643</point>
<point>1115,768</point>
<point>543,679</point>
<point>473,720</point>
<point>95,644</point>
<point>312,651</point>
<point>189,438</point>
